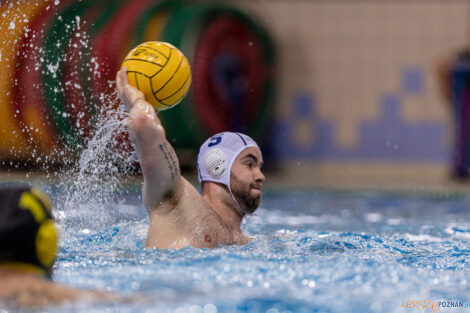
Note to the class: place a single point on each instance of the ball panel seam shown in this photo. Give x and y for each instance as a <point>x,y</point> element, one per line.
<point>178,90</point>
<point>173,75</point>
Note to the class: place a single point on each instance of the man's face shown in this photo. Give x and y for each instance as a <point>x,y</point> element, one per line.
<point>246,179</point>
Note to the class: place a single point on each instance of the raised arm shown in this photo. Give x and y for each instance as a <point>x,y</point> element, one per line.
<point>157,157</point>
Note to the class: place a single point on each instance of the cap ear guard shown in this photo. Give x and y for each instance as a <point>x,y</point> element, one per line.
<point>46,243</point>
<point>216,163</point>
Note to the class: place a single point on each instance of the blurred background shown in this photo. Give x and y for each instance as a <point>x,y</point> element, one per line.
<point>338,93</point>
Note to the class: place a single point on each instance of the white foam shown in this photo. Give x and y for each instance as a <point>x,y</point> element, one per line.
<point>423,237</point>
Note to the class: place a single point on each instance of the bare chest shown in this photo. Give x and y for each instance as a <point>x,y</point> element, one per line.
<point>192,222</point>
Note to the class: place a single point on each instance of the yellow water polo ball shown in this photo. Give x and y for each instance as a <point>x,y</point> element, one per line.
<point>160,71</point>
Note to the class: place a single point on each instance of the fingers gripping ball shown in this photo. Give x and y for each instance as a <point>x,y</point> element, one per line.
<point>160,71</point>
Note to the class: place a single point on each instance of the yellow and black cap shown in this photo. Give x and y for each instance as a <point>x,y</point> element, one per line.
<point>28,236</point>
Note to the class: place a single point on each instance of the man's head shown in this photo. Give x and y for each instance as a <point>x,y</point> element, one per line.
<point>234,160</point>
<point>28,237</point>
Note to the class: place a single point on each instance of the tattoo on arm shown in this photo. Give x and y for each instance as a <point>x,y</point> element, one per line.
<point>170,158</point>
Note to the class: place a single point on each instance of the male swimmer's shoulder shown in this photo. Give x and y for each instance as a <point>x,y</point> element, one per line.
<point>189,196</point>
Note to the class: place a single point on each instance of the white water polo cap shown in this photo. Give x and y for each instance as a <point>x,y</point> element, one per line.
<point>217,154</point>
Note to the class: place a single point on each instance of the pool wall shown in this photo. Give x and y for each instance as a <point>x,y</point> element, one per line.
<point>359,94</point>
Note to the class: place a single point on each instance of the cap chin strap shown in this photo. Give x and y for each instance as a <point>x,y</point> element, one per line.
<point>239,209</point>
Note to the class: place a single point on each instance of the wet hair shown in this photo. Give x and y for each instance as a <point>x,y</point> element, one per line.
<point>28,237</point>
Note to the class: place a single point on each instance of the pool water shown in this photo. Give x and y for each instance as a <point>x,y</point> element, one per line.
<point>313,251</point>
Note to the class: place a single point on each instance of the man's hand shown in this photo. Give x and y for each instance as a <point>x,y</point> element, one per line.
<point>129,95</point>
<point>134,99</point>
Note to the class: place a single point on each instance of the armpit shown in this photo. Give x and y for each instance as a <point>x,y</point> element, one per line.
<point>173,197</point>
<point>169,199</point>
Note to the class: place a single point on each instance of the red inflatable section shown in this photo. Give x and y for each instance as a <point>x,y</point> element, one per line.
<point>28,99</point>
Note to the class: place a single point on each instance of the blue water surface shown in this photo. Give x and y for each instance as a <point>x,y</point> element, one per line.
<point>313,251</point>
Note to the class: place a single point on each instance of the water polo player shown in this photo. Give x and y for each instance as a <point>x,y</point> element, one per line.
<point>28,243</point>
<point>28,237</point>
<point>229,168</point>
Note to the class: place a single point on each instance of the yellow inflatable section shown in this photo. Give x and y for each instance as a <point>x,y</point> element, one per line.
<point>15,18</point>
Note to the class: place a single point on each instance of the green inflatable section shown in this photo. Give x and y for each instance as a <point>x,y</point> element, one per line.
<point>111,8</point>
<point>170,5</point>
<point>54,55</point>
<point>181,122</point>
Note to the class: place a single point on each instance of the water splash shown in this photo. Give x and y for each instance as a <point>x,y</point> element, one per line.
<point>88,184</point>
<point>90,189</point>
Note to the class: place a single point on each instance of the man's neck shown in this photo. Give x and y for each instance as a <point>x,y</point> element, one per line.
<point>218,197</point>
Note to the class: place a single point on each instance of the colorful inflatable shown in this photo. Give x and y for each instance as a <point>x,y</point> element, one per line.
<point>60,59</point>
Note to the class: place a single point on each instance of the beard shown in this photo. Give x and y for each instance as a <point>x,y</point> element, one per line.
<point>248,202</point>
